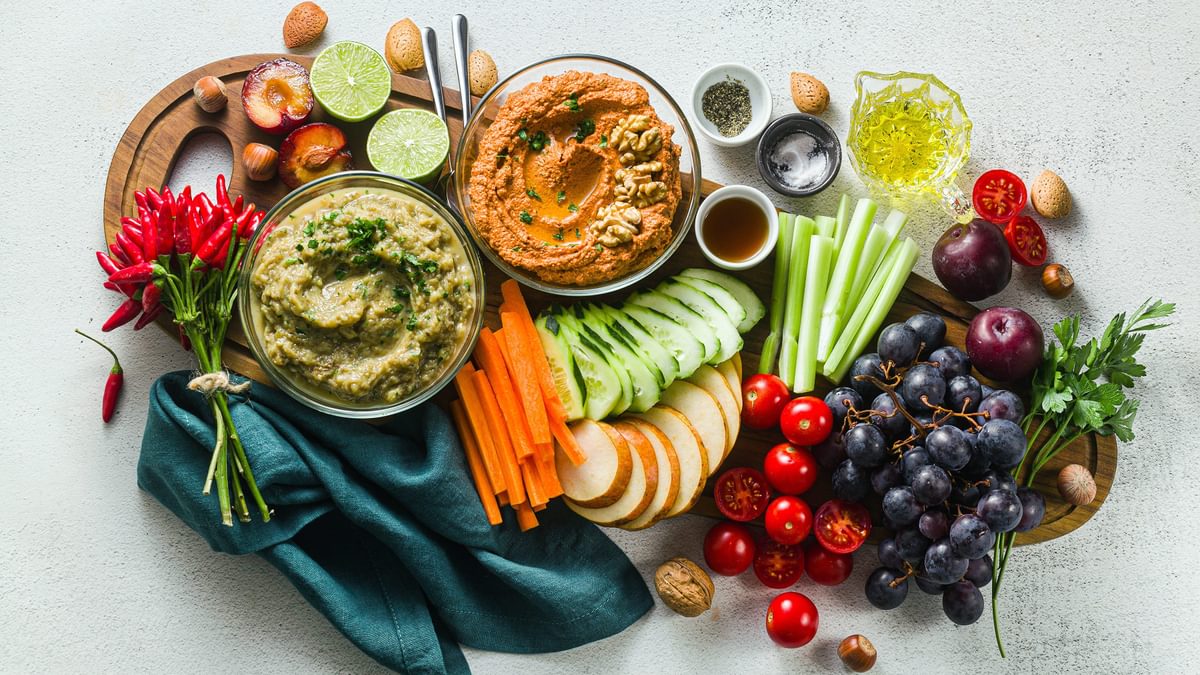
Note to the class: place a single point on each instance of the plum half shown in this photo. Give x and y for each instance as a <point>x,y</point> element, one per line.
<point>277,96</point>
<point>312,151</point>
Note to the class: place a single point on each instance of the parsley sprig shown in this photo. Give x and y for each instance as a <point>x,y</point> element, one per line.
<point>1079,389</point>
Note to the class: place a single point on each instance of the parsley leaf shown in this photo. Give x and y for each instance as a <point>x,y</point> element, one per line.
<point>526,217</point>
<point>572,103</point>
<point>533,194</point>
<point>586,128</point>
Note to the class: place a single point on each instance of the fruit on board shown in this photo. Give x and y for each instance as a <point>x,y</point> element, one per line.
<point>788,520</point>
<point>729,548</point>
<point>277,96</point>
<point>209,92</point>
<point>789,469</point>
<point>667,488</point>
<point>806,420</point>
<point>792,620</point>
<point>1005,343</point>
<point>692,457</point>
<point>643,482</point>
<point>602,478</point>
<point>312,151</point>
<point>972,260</point>
<point>303,24</point>
<point>763,398</point>
<point>741,494</point>
<point>826,567</point>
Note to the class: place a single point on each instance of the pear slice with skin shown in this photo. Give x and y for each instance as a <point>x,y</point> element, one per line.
<point>693,458</point>
<point>707,378</point>
<point>703,412</point>
<point>668,476</point>
<point>729,371</point>
<point>643,482</point>
<point>602,478</point>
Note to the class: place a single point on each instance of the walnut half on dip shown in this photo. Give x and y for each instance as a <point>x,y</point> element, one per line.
<point>362,296</point>
<point>577,180</point>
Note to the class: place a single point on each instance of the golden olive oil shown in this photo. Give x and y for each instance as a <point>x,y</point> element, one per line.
<point>903,142</point>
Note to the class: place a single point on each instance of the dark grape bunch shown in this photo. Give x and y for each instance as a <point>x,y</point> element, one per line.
<point>938,448</point>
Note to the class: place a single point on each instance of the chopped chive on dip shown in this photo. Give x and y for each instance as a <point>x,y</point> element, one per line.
<point>727,105</point>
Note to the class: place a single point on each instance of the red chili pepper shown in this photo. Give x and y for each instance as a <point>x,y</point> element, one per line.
<point>127,312</point>
<point>112,386</point>
<point>222,191</point>
<point>132,250</point>
<point>252,225</point>
<point>119,254</point>
<point>214,242</point>
<point>140,198</point>
<point>134,234</point>
<point>147,318</point>
<point>221,257</point>
<point>243,221</point>
<point>154,199</point>
<point>237,206</point>
<point>134,274</point>
<point>150,237</point>
<point>151,296</point>
<point>107,263</point>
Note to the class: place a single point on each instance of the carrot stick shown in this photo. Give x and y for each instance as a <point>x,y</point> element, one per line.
<point>474,412</point>
<point>533,485</point>
<point>525,377</point>
<point>486,497</point>
<point>515,302</point>
<point>539,509</point>
<point>491,358</point>
<point>566,441</point>
<point>525,432</point>
<point>549,476</point>
<point>503,499</point>
<point>504,450</point>
<point>525,517</point>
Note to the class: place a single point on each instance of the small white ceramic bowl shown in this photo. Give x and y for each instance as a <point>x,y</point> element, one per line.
<point>768,209</point>
<point>760,103</point>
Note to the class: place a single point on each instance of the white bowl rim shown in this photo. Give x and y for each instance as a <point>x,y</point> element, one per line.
<point>755,195</point>
<point>754,128</point>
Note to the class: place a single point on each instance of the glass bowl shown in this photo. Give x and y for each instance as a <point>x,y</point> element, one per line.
<point>664,105</point>
<point>307,393</point>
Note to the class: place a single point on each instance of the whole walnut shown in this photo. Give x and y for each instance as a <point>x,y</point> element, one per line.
<point>684,587</point>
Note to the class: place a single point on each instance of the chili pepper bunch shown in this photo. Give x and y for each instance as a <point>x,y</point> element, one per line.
<point>181,254</point>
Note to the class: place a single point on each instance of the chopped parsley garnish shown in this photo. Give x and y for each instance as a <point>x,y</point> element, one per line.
<point>290,261</point>
<point>313,243</point>
<point>572,103</point>
<point>577,233</point>
<point>340,272</point>
<point>536,142</point>
<point>533,194</point>
<point>310,228</point>
<point>599,247</point>
<point>562,196</point>
<point>396,309</point>
<point>399,292</point>
<point>516,249</point>
<point>364,233</point>
<point>586,128</point>
<point>604,140</point>
<point>572,208</point>
<point>526,217</point>
<point>412,323</point>
<point>299,247</point>
<point>558,236</point>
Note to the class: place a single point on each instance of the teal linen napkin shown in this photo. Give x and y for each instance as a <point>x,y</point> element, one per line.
<point>380,528</point>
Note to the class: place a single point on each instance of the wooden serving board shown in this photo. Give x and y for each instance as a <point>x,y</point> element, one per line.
<point>148,150</point>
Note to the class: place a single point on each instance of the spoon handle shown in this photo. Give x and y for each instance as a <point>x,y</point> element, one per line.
<point>459,26</point>
<point>429,43</point>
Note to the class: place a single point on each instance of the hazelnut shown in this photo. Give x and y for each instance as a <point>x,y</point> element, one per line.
<point>402,48</point>
<point>857,653</point>
<point>303,24</point>
<point>1076,485</point>
<point>481,70</point>
<point>210,94</point>
<point>1057,281</point>
<point>1049,195</point>
<point>684,587</point>
<point>260,161</point>
<point>809,94</point>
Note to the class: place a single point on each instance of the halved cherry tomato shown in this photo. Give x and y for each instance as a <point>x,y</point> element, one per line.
<point>778,565</point>
<point>728,548</point>
<point>741,494</point>
<point>789,469</point>
<point>806,420</point>
<point>998,196</point>
<point>763,396</point>
<point>792,620</point>
<point>1026,241</point>
<point>842,526</point>
<point>825,567</point>
<point>788,520</point>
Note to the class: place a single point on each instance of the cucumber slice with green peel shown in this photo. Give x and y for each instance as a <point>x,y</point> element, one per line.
<point>691,320</point>
<point>643,389</point>
<point>642,341</point>
<point>755,309</point>
<point>568,382</point>
<point>597,319</point>
<point>729,304</point>
<point>684,345</point>
<point>604,388</point>
<point>728,338</point>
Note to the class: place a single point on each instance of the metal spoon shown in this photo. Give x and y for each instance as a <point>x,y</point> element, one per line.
<point>429,43</point>
<point>459,27</point>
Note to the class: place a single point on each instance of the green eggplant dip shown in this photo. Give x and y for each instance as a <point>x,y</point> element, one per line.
<point>363,294</point>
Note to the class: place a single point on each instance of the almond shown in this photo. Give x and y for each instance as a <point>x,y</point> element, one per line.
<point>481,71</point>
<point>809,94</point>
<point>403,47</point>
<point>1049,195</point>
<point>303,24</point>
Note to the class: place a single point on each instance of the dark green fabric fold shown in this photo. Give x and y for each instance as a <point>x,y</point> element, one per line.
<point>380,528</point>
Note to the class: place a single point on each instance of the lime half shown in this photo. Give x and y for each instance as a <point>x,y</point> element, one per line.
<point>351,81</point>
<point>410,143</point>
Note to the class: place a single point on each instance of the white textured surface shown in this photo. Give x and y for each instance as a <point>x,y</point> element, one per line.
<point>96,576</point>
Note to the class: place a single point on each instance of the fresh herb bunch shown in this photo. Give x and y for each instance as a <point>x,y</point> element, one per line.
<point>1080,389</point>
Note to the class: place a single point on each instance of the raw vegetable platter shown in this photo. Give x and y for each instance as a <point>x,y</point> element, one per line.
<point>155,139</point>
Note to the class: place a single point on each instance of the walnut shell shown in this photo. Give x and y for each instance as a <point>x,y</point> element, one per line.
<point>481,70</point>
<point>1049,195</point>
<point>1076,485</point>
<point>809,94</point>
<point>303,24</point>
<point>684,586</point>
<point>403,49</point>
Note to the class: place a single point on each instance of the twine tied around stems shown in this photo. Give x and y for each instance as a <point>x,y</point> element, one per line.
<point>211,383</point>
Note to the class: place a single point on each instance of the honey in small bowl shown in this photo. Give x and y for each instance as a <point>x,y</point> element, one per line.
<point>735,229</point>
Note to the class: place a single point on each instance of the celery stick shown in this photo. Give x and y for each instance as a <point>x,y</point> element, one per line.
<point>820,255</point>
<point>860,313</point>
<point>797,272</point>
<point>834,311</point>
<point>783,250</point>
<point>826,226</point>
<point>843,221</point>
<point>893,283</point>
<point>873,251</point>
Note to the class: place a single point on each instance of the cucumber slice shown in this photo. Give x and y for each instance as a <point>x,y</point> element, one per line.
<point>684,346</point>
<point>604,388</point>
<point>625,397</point>
<point>599,320</point>
<point>643,382</point>
<point>567,379</point>
<point>755,309</point>
<point>729,340</point>
<point>642,342</point>
<point>685,316</point>
<point>729,304</point>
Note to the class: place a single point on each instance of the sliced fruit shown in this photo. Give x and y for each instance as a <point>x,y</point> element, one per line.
<point>312,151</point>
<point>410,143</point>
<point>737,364</point>
<point>729,371</point>
<point>277,96</point>
<point>668,476</point>
<point>729,304</point>
<point>704,414</point>
<point>707,378</point>
<point>602,478</point>
<point>693,459</point>
<point>692,321</point>
<point>684,346</point>
<point>730,341</point>
<point>643,481</point>
<point>755,309</point>
<point>567,380</point>
<point>351,81</point>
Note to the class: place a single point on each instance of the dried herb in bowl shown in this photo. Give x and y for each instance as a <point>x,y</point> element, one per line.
<point>727,105</point>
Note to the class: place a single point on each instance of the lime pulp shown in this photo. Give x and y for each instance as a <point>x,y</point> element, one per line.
<point>410,143</point>
<point>351,81</point>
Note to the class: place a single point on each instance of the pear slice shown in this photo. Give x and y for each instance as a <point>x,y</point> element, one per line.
<point>668,476</point>
<point>693,458</point>
<point>703,412</point>
<point>643,481</point>
<point>708,379</point>
<point>730,372</point>
<point>737,364</point>
<point>602,478</point>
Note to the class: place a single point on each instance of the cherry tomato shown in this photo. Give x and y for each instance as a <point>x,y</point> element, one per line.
<point>792,620</point>
<point>788,520</point>
<point>741,494</point>
<point>778,565</point>
<point>806,420</point>
<point>842,526</point>
<point>825,567</point>
<point>1026,241</point>
<point>728,549</point>
<point>764,397</point>
<point>998,196</point>
<point>789,469</point>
